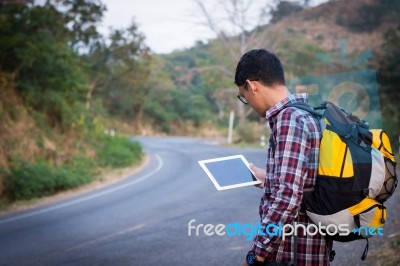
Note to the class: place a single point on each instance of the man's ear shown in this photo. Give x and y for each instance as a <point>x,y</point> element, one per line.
<point>253,86</point>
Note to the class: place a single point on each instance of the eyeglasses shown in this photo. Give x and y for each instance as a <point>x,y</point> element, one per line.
<point>241,97</point>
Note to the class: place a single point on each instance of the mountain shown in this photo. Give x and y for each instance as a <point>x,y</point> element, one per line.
<point>362,23</point>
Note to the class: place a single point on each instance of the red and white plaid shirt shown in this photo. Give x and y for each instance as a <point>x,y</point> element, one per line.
<point>292,165</point>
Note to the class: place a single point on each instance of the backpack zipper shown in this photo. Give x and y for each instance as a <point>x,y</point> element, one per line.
<point>381,207</point>
<point>344,160</point>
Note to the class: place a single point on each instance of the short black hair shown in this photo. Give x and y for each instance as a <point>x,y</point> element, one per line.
<point>261,65</point>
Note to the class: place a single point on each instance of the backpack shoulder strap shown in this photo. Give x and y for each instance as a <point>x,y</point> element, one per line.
<point>308,108</point>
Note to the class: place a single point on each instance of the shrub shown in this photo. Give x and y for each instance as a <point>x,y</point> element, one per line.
<point>78,170</point>
<point>119,152</point>
<point>247,133</point>
<point>30,181</point>
<point>39,179</point>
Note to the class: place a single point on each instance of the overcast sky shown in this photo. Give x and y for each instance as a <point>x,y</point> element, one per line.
<point>166,24</point>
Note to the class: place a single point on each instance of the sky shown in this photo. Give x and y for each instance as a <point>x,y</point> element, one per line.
<point>167,25</point>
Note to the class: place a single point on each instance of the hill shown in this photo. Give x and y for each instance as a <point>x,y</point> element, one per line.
<point>326,39</point>
<point>335,20</point>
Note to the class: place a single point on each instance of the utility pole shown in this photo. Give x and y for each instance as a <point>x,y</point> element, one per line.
<point>230,129</point>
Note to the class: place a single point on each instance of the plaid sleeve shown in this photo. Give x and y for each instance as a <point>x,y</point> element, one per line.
<point>290,166</point>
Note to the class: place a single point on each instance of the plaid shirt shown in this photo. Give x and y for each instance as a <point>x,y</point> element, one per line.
<point>292,165</point>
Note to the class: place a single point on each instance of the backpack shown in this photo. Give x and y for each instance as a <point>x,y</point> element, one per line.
<point>356,175</point>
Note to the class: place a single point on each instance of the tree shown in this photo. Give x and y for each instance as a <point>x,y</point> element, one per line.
<point>182,94</point>
<point>368,16</point>
<point>389,78</point>
<point>35,49</point>
<point>285,9</point>
<point>244,33</point>
<point>157,108</point>
<point>82,17</point>
<point>119,72</point>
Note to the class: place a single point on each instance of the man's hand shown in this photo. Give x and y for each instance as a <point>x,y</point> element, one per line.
<point>258,258</point>
<point>259,173</point>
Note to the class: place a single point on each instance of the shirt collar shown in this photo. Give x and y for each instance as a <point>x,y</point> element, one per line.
<point>292,98</point>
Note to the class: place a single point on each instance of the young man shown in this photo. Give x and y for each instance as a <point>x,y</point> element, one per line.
<point>292,162</point>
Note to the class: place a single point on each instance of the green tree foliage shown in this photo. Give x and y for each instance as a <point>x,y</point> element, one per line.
<point>119,71</point>
<point>180,90</point>
<point>294,52</point>
<point>285,9</point>
<point>367,17</point>
<point>35,46</point>
<point>157,108</point>
<point>52,52</point>
<point>389,80</point>
<point>81,17</point>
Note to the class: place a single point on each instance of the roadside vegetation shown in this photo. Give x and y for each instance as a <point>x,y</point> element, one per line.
<point>56,132</point>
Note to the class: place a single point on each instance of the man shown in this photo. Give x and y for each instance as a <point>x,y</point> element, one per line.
<point>292,162</point>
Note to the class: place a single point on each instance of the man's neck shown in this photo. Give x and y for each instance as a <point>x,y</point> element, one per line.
<point>281,93</point>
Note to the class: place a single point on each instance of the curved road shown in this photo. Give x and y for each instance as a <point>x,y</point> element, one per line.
<point>143,220</point>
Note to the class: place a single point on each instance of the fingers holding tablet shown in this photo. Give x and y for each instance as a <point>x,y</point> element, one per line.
<point>231,172</point>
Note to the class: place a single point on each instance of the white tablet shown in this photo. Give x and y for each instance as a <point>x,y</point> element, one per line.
<point>229,172</point>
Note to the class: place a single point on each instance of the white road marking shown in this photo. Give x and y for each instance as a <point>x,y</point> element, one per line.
<point>104,238</point>
<point>235,248</point>
<point>96,195</point>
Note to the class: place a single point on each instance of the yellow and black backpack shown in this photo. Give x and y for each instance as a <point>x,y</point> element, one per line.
<point>356,175</point>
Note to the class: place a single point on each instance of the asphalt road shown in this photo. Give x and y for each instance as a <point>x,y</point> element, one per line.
<point>143,220</point>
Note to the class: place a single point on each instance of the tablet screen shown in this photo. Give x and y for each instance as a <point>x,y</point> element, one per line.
<point>229,172</point>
